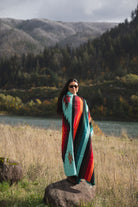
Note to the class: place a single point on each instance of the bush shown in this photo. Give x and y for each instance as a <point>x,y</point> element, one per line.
<point>130,80</point>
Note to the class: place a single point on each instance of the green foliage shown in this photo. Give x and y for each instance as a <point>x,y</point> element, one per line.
<point>33,107</point>
<point>130,80</point>
<point>134,99</point>
<point>10,103</point>
<point>4,186</point>
<point>107,100</point>
<point>22,194</point>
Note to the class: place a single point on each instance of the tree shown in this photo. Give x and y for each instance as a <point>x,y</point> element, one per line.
<point>134,15</point>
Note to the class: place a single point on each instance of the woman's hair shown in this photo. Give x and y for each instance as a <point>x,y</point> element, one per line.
<point>62,93</point>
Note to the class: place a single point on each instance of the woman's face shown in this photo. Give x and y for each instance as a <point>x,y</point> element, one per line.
<point>73,87</point>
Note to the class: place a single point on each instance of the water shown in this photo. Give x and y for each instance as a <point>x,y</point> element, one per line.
<point>108,127</point>
<point>117,128</point>
<point>32,121</point>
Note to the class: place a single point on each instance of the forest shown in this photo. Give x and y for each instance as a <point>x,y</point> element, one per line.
<point>105,67</point>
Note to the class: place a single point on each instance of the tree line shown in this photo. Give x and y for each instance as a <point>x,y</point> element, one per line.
<point>114,100</point>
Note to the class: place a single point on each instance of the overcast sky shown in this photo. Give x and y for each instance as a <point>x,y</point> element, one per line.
<point>69,10</point>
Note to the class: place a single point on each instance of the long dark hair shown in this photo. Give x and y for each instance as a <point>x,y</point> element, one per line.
<point>62,93</point>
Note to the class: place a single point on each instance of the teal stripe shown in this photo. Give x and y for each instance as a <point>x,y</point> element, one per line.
<point>69,168</point>
<point>85,141</point>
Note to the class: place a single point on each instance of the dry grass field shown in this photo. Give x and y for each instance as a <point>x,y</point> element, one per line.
<point>39,152</point>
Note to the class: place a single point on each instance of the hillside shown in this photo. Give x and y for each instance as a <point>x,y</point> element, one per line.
<point>110,100</point>
<point>24,36</point>
<point>106,67</point>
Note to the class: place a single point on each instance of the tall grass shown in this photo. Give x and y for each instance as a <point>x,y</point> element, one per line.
<point>39,152</point>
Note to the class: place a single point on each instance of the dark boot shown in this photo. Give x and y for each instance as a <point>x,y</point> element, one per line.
<point>72,179</point>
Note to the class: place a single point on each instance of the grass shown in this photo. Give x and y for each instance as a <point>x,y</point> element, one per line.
<point>39,152</point>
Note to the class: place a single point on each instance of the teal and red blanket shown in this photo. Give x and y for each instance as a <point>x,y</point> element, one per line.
<point>77,153</point>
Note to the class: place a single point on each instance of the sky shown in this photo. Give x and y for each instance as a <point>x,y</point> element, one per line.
<point>69,10</point>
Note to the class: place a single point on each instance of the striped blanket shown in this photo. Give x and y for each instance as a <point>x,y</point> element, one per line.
<point>77,153</point>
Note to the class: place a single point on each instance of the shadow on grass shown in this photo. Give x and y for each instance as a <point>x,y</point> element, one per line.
<point>27,203</point>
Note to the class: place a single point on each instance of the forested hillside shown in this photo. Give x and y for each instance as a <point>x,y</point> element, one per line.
<point>33,35</point>
<point>106,68</point>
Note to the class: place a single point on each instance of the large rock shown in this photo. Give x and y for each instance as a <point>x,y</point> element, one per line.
<point>10,170</point>
<point>65,194</point>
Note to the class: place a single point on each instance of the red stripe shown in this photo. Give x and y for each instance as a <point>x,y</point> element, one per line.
<point>89,116</point>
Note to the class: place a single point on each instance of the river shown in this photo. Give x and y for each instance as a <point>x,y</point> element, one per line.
<point>115,128</point>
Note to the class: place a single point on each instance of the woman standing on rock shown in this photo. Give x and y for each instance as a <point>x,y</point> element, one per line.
<point>77,153</point>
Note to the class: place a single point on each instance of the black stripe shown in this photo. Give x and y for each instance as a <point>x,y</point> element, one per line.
<point>85,160</point>
<point>79,132</point>
<point>78,136</point>
<point>93,179</point>
<point>73,111</point>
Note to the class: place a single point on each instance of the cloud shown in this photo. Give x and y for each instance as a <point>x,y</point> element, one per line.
<point>19,9</point>
<point>68,10</point>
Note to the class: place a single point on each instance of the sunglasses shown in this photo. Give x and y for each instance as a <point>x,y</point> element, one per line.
<point>73,86</point>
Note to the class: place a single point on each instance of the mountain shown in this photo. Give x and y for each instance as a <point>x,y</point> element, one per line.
<point>24,36</point>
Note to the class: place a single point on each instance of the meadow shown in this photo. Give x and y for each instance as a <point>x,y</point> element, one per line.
<point>39,152</point>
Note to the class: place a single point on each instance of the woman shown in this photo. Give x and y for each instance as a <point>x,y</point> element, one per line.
<point>77,153</point>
